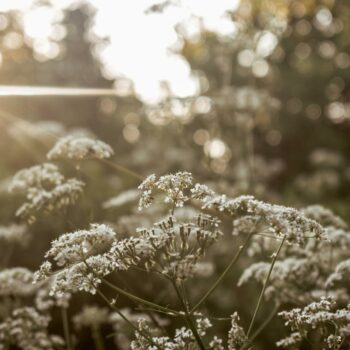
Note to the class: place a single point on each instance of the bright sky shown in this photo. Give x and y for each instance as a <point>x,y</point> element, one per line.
<point>140,42</point>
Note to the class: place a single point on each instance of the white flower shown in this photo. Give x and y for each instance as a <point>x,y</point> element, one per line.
<point>282,221</point>
<point>341,273</point>
<point>45,189</point>
<point>26,328</point>
<point>236,334</point>
<point>16,281</point>
<point>324,216</point>
<point>14,233</point>
<point>121,199</point>
<point>318,315</point>
<point>76,246</point>
<point>177,189</point>
<point>78,148</point>
<point>38,176</point>
<point>91,316</point>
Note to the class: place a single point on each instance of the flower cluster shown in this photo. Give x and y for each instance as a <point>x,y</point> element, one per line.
<point>76,246</point>
<point>324,316</point>
<point>79,148</point>
<point>77,253</point>
<point>16,281</point>
<point>288,278</point>
<point>91,316</point>
<point>236,334</point>
<point>27,329</point>
<point>14,234</point>
<point>182,339</point>
<point>44,301</point>
<point>341,273</point>
<point>177,188</point>
<point>324,216</point>
<point>180,246</point>
<point>45,189</point>
<point>281,221</point>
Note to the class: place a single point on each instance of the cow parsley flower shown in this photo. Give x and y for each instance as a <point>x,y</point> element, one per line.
<point>79,254</point>
<point>44,301</point>
<point>180,246</point>
<point>281,221</point>
<point>45,189</point>
<point>236,334</point>
<point>324,216</point>
<point>14,234</point>
<point>78,148</point>
<point>288,280</point>
<point>341,273</point>
<point>91,316</point>
<point>27,329</point>
<point>76,246</point>
<point>44,176</point>
<point>177,189</point>
<point>216,344</point>
<point>318,316</point>
<point>16,281</point>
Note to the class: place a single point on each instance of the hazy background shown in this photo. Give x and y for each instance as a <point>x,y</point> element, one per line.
<point>250,96</point>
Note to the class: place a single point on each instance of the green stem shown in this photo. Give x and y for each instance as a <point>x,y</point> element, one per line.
<point>126,319</point>
<point>96,334</point>
<point>66,332</point>
<point>138,299</point>
<point>129,295</point>
<point>264,287</point>
<point>188,318</point>
<point>261,327</point>
<point>241,249</point>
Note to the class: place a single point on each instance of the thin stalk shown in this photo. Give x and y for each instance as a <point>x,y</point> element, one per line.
<point>66,331</point>
<point>188,318</point>
<point>126,319</point>
<point>129,295</point>
<point>138,299</point>
<point>241,249</point>
<point>98,341</point>
<point>261,327</point>
<point>122,169</point>
<point>264,287</point>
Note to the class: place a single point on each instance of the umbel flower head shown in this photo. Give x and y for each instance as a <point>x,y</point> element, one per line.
<point>333,323</point>
<point>91,316</point>
<point>282,221</point>
<point>16,281</point>
<point>177,188</point>
<point>78,253</point>
<point>79,148</point>
<point>76,246</point>
<point>45,189</point>
<point>14,234</point>
<point>236,334</point>
<point>26,329</point>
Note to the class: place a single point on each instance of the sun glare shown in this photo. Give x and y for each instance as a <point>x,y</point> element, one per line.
<point>140,43</point>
